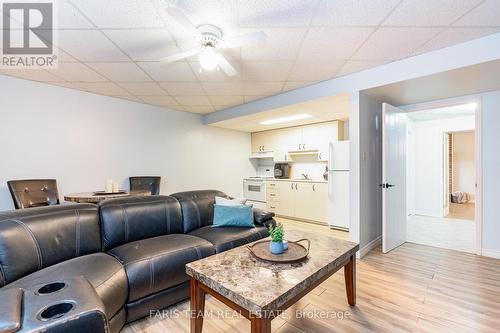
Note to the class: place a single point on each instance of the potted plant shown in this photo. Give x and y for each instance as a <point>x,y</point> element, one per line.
<point>276,245</point>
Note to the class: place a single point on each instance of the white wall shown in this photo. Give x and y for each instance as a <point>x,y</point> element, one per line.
<point>464,168</point>
<point>370,193</point>
<point>490,139</point>
<point>428,162</point>
<point>81,139</point>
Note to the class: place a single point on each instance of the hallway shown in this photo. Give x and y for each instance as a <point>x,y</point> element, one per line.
<point>448,233</point>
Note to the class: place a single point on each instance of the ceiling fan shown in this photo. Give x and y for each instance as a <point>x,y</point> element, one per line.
<point>211,41</point>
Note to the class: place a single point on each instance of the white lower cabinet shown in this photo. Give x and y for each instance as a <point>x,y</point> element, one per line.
<point>301,200</point>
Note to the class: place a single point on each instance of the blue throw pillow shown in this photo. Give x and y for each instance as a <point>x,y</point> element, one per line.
<point>233,216</point>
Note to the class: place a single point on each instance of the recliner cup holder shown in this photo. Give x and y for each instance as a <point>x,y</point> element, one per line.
<point>51,288</point>
<point>56,311</point>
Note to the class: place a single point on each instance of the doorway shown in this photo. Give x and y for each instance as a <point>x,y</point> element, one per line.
<point>441,177</point>
<point>439,162</point>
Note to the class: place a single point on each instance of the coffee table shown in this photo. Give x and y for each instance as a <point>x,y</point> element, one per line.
<point>260,290</point>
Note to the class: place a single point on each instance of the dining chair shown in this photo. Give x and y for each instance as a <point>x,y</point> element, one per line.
<point>28,193</point>
<point>145,183</point>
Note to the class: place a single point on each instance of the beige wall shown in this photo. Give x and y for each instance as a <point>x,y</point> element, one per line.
<point>463,162</point>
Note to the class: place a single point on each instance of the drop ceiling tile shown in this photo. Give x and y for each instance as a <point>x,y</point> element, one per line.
<point>276,13</point>
<point>89,45</point>
<point>177,71</point>
<point>394,43</point>
<point>130,98</point>
<point>282,44</point>
<point>291,85</point>
<point>76,72</point>
<point>352,12</point>
<point>68,17</point>
<point>315,71</point>
<point>262,88</point>
<point>32,74</point>
<point>120,71</point>
<point>452,36</point>
<point>486,14</point>
<point>64,56</point>
<point>201,109</point>
<point>167,101</point>
<point>144,44</point>
<point>215,75</point>
<point>120,14</point>
<point>266,70</point>
<point>253,98</point>
<point>322,43</point>
<point>102,88</point>
<point>429,13</point>
<point>226,100</point>
<point>223,88</point>
<point>183,88</point>
<point>352,66</point>
<point>222,13</point>
<point>65,85</point>
<point>143,88</point>
<point>192,100</point>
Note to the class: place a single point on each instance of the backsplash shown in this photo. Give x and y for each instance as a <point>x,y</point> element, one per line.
<point>307,164</point>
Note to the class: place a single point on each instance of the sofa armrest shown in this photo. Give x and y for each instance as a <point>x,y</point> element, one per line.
<point>11,302</point>
<point>261,216</point>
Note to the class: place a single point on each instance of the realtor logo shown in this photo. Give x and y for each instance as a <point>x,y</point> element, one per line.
<point>28,35</point>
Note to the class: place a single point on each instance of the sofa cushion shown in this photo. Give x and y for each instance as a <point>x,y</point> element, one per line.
<point>226,238</point>
<point>103,271</point>
<point>158,263</point>
<point>36,238</point>
<point>197,207</point>
<point>134,218</point>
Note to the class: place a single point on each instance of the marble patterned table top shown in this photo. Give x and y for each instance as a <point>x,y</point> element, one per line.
<point>91,197</point>
<point>263,286</point>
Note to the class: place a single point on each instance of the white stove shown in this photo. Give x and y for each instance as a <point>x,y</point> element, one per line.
<point>254,187</point>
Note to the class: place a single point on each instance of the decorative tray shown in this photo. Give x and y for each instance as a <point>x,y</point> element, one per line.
<point>295,253</point>
<point>109,193</point>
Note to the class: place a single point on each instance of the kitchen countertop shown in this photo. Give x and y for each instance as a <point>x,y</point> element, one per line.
<point>297,180</point>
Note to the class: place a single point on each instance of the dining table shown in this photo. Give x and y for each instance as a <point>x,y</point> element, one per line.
<point>98,196</point>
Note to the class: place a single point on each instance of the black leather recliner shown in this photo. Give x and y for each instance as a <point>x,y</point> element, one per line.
<point>133,251</point>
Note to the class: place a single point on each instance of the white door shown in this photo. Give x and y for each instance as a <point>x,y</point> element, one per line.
<point>394,134</point>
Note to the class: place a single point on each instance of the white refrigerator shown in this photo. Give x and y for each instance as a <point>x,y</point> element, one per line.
<point>338,185</point>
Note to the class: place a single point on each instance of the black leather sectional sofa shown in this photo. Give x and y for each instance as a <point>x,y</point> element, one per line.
<point>132,251</point>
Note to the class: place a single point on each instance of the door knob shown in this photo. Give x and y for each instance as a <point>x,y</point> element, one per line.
<point>386,185</point>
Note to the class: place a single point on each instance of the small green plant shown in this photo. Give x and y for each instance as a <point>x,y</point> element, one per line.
<point>277,233</point>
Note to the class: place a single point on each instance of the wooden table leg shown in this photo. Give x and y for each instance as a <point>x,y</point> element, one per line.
<point>260,325</point>
<point>197,304</point>
<point>350,280</point>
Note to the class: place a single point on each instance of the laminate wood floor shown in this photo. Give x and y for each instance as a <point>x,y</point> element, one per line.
<point>414,288</point>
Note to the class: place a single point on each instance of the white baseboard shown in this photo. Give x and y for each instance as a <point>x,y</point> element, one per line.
<point>491,253</point>
<point>368,247</point>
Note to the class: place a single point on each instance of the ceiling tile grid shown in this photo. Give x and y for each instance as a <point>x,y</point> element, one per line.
<point>113,47</point>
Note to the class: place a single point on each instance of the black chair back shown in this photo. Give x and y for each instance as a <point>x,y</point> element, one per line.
<point>145,183</point>
<point>28,193</point>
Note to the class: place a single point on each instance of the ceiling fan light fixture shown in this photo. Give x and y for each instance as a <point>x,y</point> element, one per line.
<point>209,59</point>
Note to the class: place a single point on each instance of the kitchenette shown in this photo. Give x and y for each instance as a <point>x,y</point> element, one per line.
<point>302,173</point>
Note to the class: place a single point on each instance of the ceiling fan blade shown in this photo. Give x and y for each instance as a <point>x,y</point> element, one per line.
<point>250,39</point>
<point>227,67</point>
<point>179,56</point>
<point>183,21</point>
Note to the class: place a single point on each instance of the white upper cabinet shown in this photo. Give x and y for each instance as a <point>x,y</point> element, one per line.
<point>263,142</point>
<point>315,137</point>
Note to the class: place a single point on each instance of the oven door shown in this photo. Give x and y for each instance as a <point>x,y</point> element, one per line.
<point>254,190</point>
